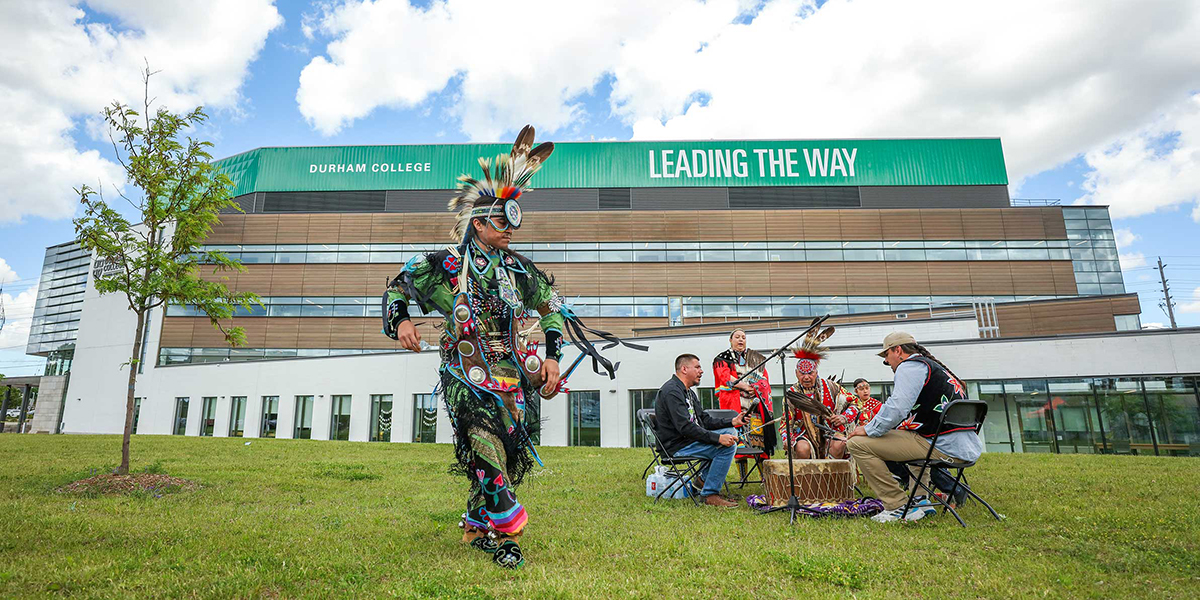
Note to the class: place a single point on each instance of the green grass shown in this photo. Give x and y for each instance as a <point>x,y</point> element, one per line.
<point>287,518</point>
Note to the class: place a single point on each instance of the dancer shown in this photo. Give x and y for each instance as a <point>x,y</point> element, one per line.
<point>489,368</point>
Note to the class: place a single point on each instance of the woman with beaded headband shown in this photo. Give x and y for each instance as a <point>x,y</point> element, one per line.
<point>489,369</point>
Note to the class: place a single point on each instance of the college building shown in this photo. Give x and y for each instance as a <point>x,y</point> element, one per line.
<point>672,243</point>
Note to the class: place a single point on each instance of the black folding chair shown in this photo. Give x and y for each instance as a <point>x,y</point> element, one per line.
<point>681,470</point>
<point>967,414</point>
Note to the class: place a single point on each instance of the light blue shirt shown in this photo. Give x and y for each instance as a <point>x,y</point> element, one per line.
<point>910,378</point>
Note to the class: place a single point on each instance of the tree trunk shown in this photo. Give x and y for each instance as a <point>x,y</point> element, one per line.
<point>133,370</point>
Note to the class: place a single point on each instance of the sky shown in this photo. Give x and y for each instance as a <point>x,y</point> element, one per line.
<point>1095,102</point>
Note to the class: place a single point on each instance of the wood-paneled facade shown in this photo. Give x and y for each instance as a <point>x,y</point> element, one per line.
<point>883,278</point>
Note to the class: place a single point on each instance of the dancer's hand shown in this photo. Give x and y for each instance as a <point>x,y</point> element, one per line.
<point>549,378</point>
<point>740,420</point>
<point>838,421</point>
<point>860,430</point>
<point>743,386</point>
<point>407,334</point>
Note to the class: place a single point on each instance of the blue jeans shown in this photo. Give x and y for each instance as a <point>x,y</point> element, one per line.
<point>721,458</point>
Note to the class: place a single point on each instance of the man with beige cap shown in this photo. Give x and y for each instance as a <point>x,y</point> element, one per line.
<point>908,419</point>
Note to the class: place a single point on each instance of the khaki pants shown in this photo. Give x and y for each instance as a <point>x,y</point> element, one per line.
<point>897,446</point>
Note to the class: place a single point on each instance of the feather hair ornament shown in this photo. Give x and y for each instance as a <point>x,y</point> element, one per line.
<point>505,177</point>
<point>810,347</point>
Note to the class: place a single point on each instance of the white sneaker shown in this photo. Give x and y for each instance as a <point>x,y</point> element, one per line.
<point>920,509</point>
<point>889,516</point>
<point>916,512</point>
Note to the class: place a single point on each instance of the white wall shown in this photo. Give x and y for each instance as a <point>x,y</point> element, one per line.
<point>95,400</point>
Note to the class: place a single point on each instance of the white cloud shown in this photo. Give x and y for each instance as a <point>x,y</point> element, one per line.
<point>58,68</point>
<point>18,310</point>
<point>1156,167</point>
<point>1051,79</point>
<point>1131,260</point>
<point>1125,237</point>
<point>1192,306</point>
<point>1153,326</point>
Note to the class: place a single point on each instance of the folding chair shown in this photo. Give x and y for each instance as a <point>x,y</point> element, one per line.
<point>958,414</point>
<point>743,452</point>
<point>681,469</point>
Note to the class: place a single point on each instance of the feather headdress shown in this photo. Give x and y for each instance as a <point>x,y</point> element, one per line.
<point>810,351</point>
<point>505,178</point>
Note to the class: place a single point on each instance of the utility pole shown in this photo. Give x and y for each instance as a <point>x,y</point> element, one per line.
<point>1166,303</point>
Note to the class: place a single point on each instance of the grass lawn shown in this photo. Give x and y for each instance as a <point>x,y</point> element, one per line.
<point>286,518</point>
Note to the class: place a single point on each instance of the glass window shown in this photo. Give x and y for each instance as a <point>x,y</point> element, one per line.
<point>181,415</point>
<point>1128,322</point>
<point>302,425</point>
<point>987,254</point>
<point>137,410</point>
<point>1074,213</point>
<point>863,255</point>
<point>387,257</point>
<point>945,254</point>
<point>823,255</point>
<point>1075,422</point>
<point>1059,253</point>
<point>717,255</point>
<point>1030,400</point>
<point>1089,289</point>
<point>607,255</point>
<point>1125,416</point>
<point>1075,223</point>
<point>350,310</point>
<point>1028,254</point>
<point>381,418</point>
<point>903,254</point>
<point>584,426</point>
<point>250,258</point>
<point>997,427</point>
<point>290,257</point>
<point>1097,213</point>
<point>339,418</point>
<point>237,415</point>
<point>270,416</point>
<point>639,399</point>
<point>1173,403</point>
<point>1112,288</point>
<point>424,419</point>
<point>312,308</point>
<point>208,416</point>
<point>683,252</point>
<point>284,310</point>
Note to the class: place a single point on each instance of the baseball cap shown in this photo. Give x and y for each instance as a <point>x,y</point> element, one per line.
<point>896,338</point>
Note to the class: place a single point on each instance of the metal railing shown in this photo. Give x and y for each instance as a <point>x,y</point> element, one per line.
<point>982,308</point>
<point>1035,202</point>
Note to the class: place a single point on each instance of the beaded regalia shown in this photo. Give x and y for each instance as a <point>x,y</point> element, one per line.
<point>490,369</point>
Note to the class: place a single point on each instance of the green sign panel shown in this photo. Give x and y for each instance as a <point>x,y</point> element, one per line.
<point>631,164</point>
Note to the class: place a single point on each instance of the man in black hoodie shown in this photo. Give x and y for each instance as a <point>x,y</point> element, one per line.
<point>686,430</point>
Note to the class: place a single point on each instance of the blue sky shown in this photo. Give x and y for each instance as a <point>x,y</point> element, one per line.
<point>611,103</point>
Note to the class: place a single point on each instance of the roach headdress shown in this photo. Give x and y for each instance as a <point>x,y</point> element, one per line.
<point>505,178</point>
<point>810,351</point>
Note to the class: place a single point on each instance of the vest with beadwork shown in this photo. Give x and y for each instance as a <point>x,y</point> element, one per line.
<point>940,389</point>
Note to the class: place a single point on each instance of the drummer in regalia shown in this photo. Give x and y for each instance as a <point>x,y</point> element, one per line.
<point>810,441</point>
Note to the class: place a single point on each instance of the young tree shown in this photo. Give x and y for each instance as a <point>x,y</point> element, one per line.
<point>178,195</point>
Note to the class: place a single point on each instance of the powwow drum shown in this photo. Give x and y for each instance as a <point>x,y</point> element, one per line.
<point>816,481</point>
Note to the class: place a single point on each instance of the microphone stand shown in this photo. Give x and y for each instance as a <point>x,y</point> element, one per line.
<point>793,503</point>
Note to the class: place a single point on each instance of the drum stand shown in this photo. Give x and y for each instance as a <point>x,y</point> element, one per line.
<point>793,503</point>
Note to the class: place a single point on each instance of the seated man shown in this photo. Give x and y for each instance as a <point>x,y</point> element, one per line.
<point>686,430</point>
<point>906,422</point>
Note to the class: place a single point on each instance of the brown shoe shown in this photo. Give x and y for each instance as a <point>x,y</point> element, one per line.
<point>717,500</point>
